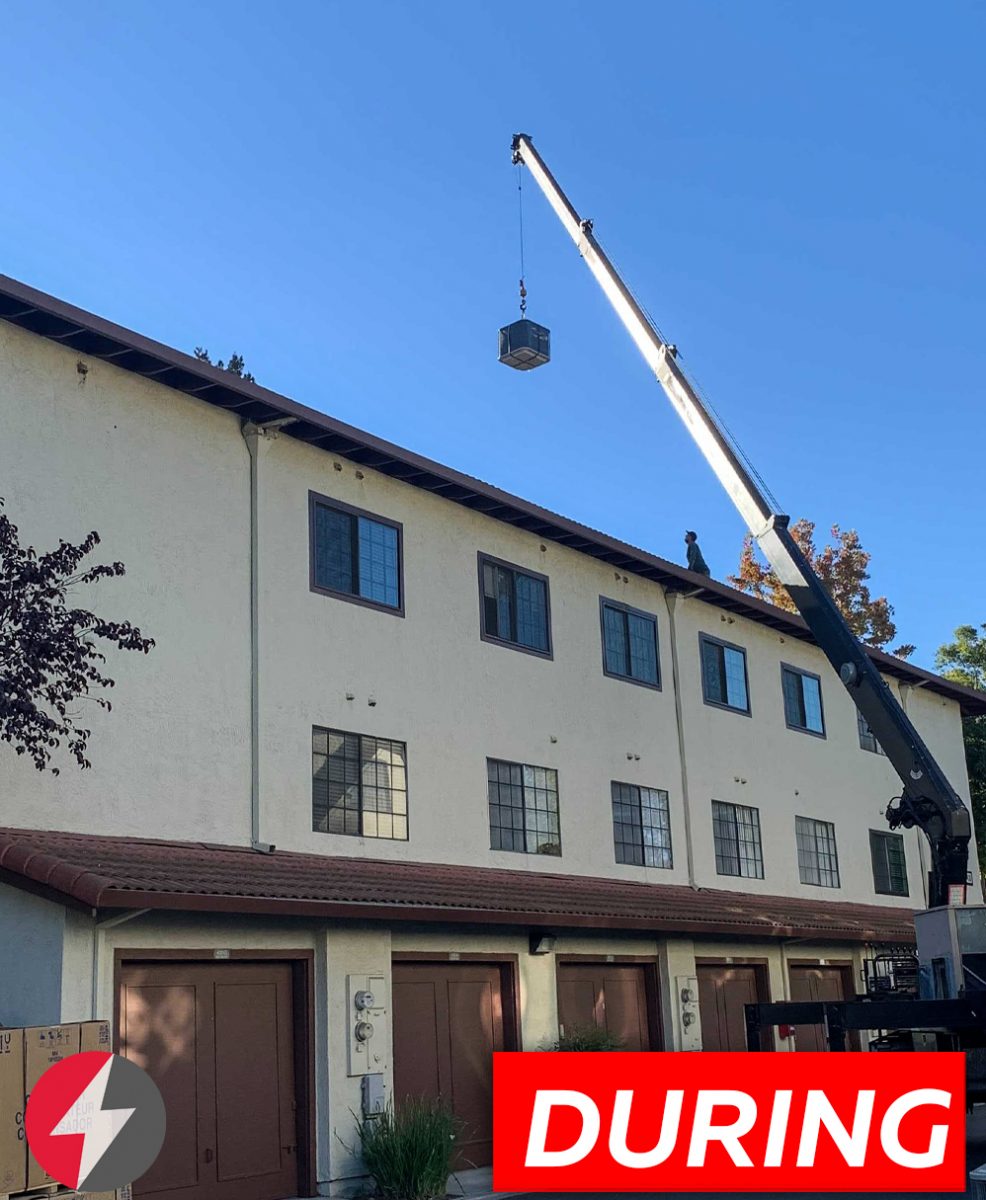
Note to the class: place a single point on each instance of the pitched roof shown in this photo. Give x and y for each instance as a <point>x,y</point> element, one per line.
<point>95,337</point>
<point>119,872</point>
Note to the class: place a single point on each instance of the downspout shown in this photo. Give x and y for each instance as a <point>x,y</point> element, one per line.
<point>99,927</point>
<point>670,599</point>
<point>252,435</point>
<point>905,690</point>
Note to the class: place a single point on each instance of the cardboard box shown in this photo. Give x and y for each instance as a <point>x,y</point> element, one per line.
<point>13,1148</point>
<point>44,1046</point>
<point>95,1035</point>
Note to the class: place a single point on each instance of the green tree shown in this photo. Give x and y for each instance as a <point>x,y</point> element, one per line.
<point>236,365</point>
<point>964,661</point>
<point>843,568</point>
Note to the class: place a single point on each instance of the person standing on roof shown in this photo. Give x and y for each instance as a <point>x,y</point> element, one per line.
<point>696,562</point>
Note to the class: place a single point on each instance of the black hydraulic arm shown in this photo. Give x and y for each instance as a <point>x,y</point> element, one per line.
<point>927,799</point>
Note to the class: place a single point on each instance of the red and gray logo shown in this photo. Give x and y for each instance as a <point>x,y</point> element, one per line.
<point>95,1121</point>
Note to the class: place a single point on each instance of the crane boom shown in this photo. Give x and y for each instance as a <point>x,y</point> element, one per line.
<point>927,799</point>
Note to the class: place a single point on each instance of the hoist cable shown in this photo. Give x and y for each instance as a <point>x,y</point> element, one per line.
<point>520,217</point>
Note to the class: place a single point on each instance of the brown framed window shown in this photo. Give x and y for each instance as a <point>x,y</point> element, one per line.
<point>889,863</point>
<point>629,643</point>
<point>818,861</point>
<point>724,682</point>
<point>523,807</point>
<point>641,825</point>
<point>802,700</point>
<point>359,784</point>
<point>736,833</point>
<point>355,555</point>
<point>514,606</point>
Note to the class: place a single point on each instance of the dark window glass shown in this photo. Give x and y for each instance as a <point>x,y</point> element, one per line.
<point>736,832</point>
<point>818,862</point>
<point>641,825</point>
<point>515,606</point>
<point>724,675</point>
<point>867,739</point>
<point>630,644</point>
<point>359,785</point>
<point>889,866</point>
<point>802,700</point>
<point>356,555</point>
<point>523,808</point>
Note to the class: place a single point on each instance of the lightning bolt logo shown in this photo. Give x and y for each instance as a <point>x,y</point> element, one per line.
<point>100,1128</point>
<point>93,1120</point>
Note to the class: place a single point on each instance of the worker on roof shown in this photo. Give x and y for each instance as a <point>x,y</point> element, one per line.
<point>696,562</point>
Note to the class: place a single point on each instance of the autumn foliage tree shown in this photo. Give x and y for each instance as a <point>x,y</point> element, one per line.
<point>50,657</point>
<point>843,567</point>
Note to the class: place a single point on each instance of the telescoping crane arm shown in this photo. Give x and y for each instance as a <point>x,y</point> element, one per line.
<point>927,800</point>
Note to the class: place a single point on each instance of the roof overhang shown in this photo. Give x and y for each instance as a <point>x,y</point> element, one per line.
<point>104,874</point>
<point>94,337</point>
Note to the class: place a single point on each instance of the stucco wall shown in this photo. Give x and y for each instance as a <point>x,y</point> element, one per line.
<point>31,936</point>
<point>165,479</point>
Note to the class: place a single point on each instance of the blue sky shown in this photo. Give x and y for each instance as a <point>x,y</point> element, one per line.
<point>796,193</point>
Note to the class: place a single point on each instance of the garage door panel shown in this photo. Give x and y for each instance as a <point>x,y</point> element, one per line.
<point>626,1011</point>
<point>577,1001</point>
<point>609,996</point>
<point>218,1041</point>
<point>448,1021</point>
<point>816,983</point>
<point>416,1022</point>
<point>724,990</point>
<point>248,1142</point>
<point>159,1034</point>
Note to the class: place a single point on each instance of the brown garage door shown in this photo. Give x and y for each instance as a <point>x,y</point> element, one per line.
<point>448,1020</point>
<point>819,983</point>
<point>724,990</point>
<point>610,996</point>
<point>218,1041</point>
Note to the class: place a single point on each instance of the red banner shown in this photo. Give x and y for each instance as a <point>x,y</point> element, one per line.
<point>596,1122</point>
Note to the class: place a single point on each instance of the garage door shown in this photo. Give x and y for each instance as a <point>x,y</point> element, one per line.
<point>448,1020</point>
<point>818,983</point>
<point>724,990</point>
<point>610,996</point>
<point>218,1041</point>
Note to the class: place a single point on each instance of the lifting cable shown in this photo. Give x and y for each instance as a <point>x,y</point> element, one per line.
<point>520,214</point>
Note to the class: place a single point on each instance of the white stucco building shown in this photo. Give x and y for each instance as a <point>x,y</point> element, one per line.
<point>407,735</point>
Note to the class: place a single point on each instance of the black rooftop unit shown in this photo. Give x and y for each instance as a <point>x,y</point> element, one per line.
<point>524,345</point>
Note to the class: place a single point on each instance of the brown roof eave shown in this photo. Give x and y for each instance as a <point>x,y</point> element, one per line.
<point>93,336</point>
<point>113,898</point>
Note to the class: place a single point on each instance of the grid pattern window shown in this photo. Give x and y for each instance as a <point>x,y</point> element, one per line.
<point>359,785</point>
<point>802,700</point>
<point>736,832</point>
<point>867,738</point>
<point>641,825</point>
<point>889,864</point>
<point>523,808</point>
<point>818,862</point>
<point>630,644</point>
<point>515,606</point>
<point>356,555</point>
<point>724,674</point>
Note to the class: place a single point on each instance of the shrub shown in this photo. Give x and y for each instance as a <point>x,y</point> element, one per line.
<point>588,1037</point>
<point>409,1149</point>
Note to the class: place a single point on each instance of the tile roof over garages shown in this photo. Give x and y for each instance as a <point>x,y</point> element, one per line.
<point>95,337</point>
<point>120,872</point>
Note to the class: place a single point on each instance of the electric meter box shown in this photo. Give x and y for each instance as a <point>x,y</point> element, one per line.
<point>524,345</point>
